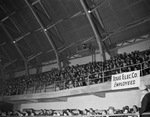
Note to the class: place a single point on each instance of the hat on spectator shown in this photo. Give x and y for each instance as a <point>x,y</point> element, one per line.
<point>111,107</point>
<point>142,86</point>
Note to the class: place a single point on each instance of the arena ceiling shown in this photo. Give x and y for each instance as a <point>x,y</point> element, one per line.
<point>38,31</point>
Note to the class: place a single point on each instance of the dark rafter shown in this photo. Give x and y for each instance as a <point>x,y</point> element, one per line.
<point>15,43</point>
<point>46,33</point>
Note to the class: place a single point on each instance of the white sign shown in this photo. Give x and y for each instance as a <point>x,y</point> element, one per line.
<point>125,80</point>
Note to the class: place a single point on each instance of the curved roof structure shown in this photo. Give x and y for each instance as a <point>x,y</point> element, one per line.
<point>33,32</point>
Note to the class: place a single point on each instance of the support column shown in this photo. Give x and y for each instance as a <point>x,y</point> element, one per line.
<point>2,71</point>
<point>98,38</point>
<point>27,69</point>
<point>46,34</point>
<point>16,46</point>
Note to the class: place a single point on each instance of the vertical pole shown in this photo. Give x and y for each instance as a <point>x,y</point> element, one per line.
<point>98,38</point>
<point>27,69</point>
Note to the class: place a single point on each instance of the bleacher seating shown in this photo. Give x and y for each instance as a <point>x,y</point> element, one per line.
<point>72,112</point>
<point>79,75</point>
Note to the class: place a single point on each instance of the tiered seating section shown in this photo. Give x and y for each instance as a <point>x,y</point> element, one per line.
<point>79,75</point>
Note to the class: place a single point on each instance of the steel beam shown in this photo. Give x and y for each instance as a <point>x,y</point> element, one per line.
<point>34,56</point>
<point>55,27</point>
<point>123,28</point>
<point>114,13</point>
<point>99,5</point>
<point>23,37</point>
<point>8,58</point>
<point>59,34</point>
<point>46,34</point>
<point>61,39</point>
<point>134,41</point>
<point>75,15</point>
<point>3,57</point>
<point>100,21</point>
<point>99,17</point>
<point>32,49</point>
<point>15,44</point>
<point>7,64</point>
<point>2,70</point>
<point>61,49</point>
<point>98,38</point>
<point>44,10</point>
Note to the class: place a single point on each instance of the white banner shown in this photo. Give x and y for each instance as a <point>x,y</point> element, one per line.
<point>125,80</point>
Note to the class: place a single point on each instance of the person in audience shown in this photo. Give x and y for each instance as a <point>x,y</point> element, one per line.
<point>135,110</point>
<point>126,109</point>
<point>3,114</point>
<point>104,113</point>
<point>69,112</point>
<point>65,113</point>
<point>145,100</point>
<point>91,111</point>
<point>85,112</point>
<point>49,112</point>
<point>111,110</point>
<point>119,111</point>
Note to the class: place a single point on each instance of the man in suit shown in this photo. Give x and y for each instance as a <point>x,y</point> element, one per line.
<point>145,101</point>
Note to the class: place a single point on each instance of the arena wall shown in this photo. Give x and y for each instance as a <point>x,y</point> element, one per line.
<point>99,100</point>
<point>103,100</point>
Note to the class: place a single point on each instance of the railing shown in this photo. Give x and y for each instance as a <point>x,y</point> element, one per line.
<point>115,115</point>
<point>146,114</point>
<point>99,77</point>
<point>103,77</point>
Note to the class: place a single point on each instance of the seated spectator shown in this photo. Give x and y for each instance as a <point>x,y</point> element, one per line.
<point>126,109</point>
<point>85,112</point>
<point>69,112</point>
<point>135,110</point>
<point>104,112</point>
<point>111,110</point>
<point>91,111</point>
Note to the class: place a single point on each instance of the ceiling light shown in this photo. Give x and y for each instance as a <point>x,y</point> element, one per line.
<point>89,11</point>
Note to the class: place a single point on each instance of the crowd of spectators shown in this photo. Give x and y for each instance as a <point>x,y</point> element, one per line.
<point>80,75</point>
<point>73,112</point>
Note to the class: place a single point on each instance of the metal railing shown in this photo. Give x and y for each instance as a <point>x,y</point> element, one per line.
<point>146,114</point>
<point>91,79</point>
<point>114,115</point>
<point>103,76</point>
